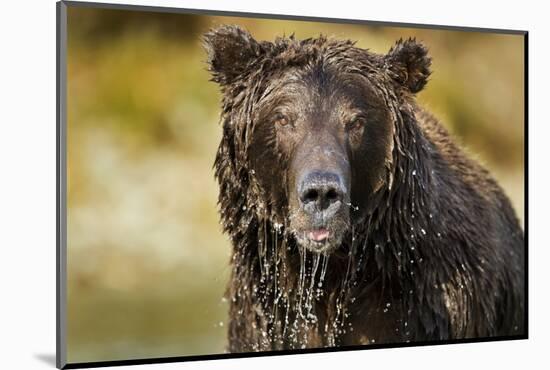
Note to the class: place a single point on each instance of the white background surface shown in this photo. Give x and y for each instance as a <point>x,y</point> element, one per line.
<point>27,183</point>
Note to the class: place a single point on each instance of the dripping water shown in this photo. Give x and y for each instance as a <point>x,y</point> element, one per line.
<point>309,303</point>
<point>323,272</point>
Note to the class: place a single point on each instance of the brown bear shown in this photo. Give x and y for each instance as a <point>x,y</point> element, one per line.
<point>354,218</point>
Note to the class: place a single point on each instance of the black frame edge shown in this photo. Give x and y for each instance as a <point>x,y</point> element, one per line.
<point>160,360</point>
<point>61,168</point>
<point>526,175</point>
<point>290,17</point>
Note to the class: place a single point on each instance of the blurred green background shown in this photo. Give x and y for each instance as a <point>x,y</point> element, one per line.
<point>147,262</point>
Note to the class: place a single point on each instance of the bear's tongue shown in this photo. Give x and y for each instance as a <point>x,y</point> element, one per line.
<point>318,235</point>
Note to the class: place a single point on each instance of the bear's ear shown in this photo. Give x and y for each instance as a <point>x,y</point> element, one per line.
<point>229,49</point>
<point>409,64</point>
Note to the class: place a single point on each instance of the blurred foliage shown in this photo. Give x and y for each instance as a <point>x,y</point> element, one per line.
<point>147,263</point>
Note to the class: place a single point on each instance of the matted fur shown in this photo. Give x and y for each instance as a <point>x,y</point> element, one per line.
<point>436,254</point>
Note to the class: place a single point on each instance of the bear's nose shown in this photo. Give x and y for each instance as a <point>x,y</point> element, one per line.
<point>321,191</point>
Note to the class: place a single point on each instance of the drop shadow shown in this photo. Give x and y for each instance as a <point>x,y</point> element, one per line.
<point>47,358</point>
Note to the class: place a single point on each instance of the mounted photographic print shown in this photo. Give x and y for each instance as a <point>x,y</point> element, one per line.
<point>235,184</point>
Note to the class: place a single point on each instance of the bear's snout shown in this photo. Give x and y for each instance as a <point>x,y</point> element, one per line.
<point>321,194</point>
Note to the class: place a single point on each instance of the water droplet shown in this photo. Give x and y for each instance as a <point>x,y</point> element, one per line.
<point>388,304</point>
<point>414,173</point>
<point>355,208</point>
<point>431,216</point>
<point>244,208</point>
<point>423,231</point>
<point>439,235</point>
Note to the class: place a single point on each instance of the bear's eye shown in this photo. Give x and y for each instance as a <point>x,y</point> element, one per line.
<point>281,119</point>
<point>356,123</point>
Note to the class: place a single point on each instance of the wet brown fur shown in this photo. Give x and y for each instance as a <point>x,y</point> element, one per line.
<point>437,252</point>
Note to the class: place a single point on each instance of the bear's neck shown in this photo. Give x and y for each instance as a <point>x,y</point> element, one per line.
<point>402,214</point>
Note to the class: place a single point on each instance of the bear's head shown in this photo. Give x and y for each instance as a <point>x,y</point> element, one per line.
<point>310,128</point>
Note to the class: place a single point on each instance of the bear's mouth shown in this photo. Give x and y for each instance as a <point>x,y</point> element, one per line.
<point>323,239</point>
<point>318,235</point>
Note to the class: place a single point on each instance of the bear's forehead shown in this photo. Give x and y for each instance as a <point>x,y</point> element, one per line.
<point>321,51</point>
<point>319,81</point>
<point>303,95</point>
